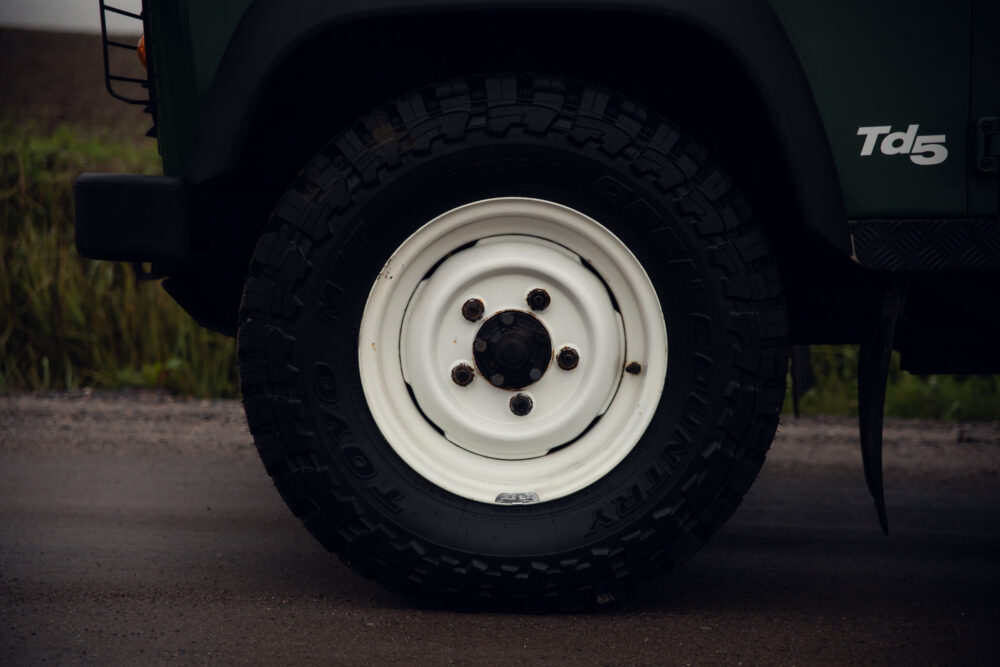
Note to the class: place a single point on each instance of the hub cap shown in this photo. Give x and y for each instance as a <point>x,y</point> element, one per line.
<point>512,350</point>
<point>549,408</point>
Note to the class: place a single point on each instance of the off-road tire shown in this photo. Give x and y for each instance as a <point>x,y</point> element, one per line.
<point>558,140</point>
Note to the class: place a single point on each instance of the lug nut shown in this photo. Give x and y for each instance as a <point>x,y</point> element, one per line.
<point>633,368</point>
<point>462,375</point>
<point>473,310</point>
<point>568,358</point>
<point>538,299</point>
<point>521,404</point>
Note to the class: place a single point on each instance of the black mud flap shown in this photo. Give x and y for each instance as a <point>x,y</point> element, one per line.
<point>873,376</point>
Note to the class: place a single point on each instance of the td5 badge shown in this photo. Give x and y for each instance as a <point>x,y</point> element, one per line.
<point>924,150</point>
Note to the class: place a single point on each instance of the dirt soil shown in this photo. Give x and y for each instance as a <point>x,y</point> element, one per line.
<point>51,78</point>
<point>140,528</point>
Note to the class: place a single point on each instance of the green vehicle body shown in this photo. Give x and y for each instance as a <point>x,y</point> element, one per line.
<point>896,63</point>
<point>890,63</point>
<point>863,133</point>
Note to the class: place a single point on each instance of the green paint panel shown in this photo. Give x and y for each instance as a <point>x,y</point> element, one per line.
<point>211,25</point>
<point>889,63</point>
<point>170,51</point>
<point>984,189</point>
<point>188,39</point>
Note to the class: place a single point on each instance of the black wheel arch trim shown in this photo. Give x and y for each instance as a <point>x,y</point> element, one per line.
<point>268,33</point>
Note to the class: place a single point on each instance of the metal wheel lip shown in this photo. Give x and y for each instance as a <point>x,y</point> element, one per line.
<point>475,476</point>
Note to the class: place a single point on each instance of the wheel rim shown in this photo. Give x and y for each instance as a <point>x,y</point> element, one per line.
<point>493,357</point>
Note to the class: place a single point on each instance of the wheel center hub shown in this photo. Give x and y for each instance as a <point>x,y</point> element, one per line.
<point>512,349</point>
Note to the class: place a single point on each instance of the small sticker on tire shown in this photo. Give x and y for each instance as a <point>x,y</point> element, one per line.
<point>517,498</point>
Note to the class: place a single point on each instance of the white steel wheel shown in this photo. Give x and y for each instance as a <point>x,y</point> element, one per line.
<point>512,351</point>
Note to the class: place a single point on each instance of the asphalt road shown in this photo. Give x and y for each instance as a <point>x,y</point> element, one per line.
<point>136,528</point>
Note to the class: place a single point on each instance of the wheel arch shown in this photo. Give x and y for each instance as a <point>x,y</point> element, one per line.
<point>723,69</point>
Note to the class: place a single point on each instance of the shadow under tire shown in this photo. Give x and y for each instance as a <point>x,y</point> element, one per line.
<point>631,450</point>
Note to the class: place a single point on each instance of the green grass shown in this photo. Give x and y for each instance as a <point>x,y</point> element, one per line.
<point>945,397</point>
<point>67,322</point>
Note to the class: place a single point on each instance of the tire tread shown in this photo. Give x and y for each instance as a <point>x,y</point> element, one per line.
<point>585,118</point>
